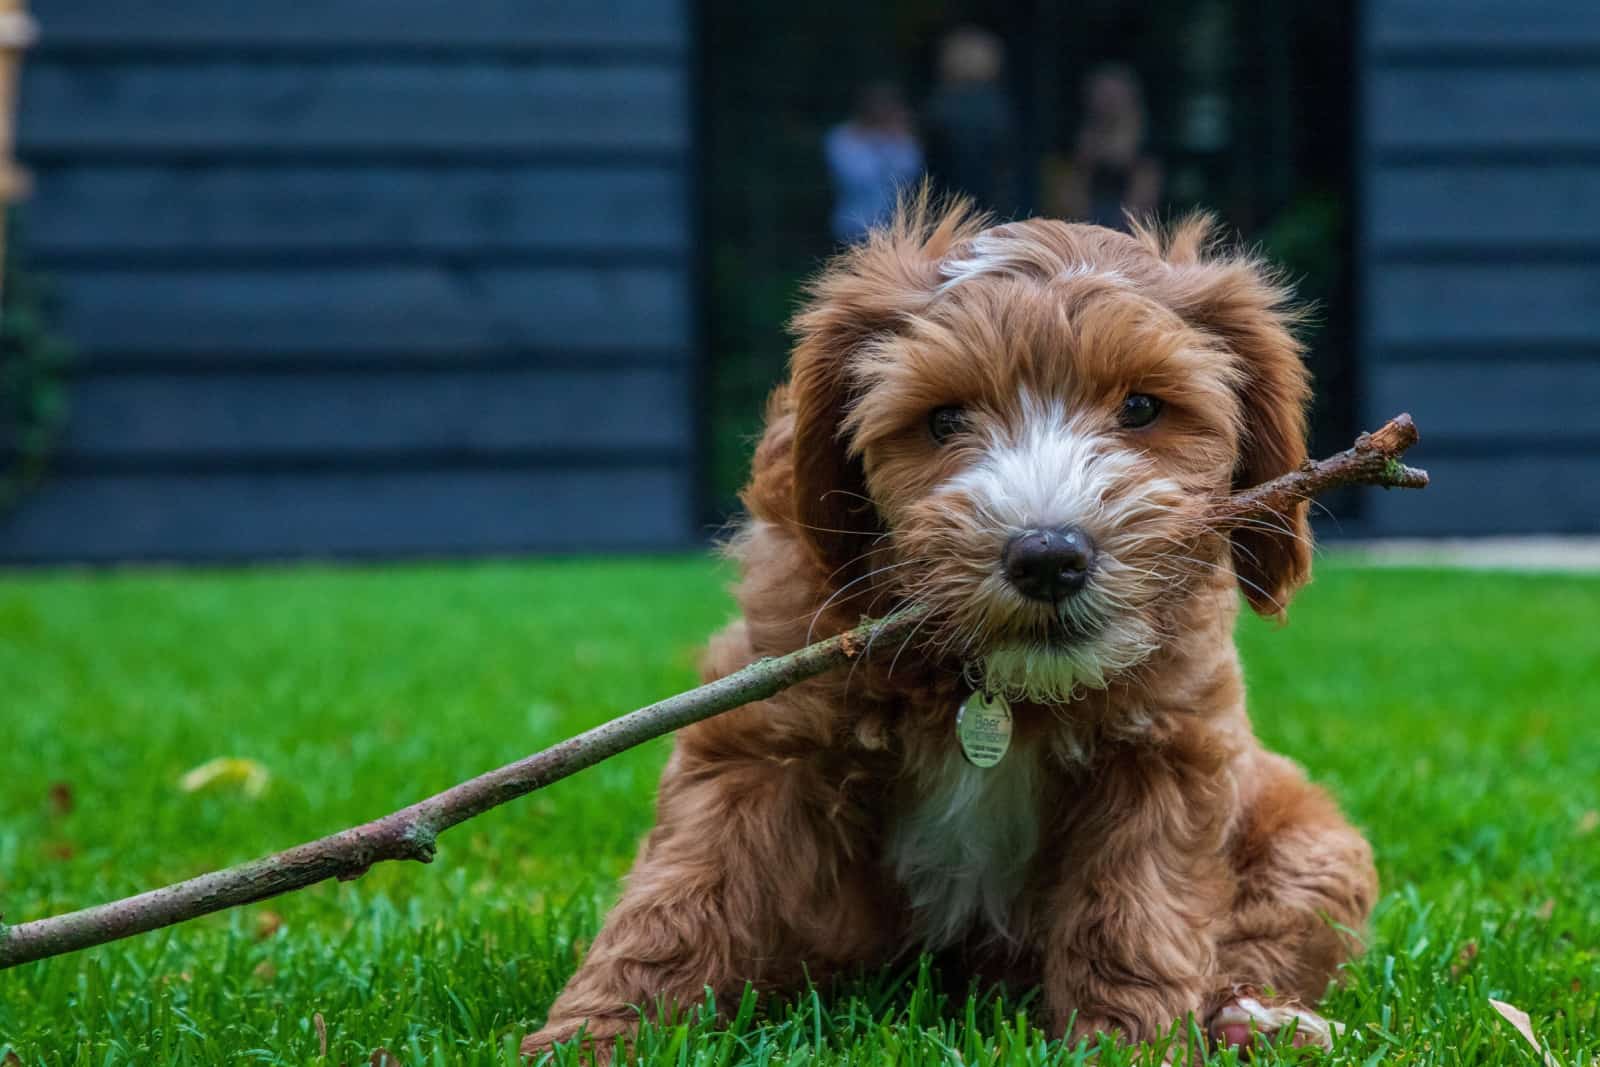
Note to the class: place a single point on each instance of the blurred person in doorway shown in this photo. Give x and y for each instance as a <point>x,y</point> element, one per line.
<point>870,156</point>
<point>972,138</point>
<point>1111,174</point>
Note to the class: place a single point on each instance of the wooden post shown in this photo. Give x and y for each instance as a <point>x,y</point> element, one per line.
<point>17,32</point>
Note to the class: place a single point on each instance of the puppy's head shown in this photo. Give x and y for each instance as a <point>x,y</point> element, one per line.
<point>1024,428</point>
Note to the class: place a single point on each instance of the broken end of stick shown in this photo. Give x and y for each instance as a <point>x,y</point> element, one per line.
<point>1393,438</point>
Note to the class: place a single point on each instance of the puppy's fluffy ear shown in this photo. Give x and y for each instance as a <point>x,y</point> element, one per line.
<point>865,292</point>
<point>1241,301</point>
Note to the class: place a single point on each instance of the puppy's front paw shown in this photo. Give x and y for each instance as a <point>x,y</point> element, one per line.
<point>599,1038</point>
<point>1244,1020</point>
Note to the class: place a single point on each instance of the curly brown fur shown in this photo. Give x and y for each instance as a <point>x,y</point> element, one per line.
<point>1137,853</point>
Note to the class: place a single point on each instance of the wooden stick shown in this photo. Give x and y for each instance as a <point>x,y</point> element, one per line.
<point>410,834</point>
<point>1373,460</point>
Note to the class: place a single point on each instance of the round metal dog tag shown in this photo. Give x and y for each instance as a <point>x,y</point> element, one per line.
<point>983,726</point>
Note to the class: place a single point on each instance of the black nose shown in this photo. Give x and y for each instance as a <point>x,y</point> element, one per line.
<point>1049,564</point>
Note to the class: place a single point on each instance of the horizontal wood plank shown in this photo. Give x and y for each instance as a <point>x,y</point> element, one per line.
<point>1491,302</point>
<point>389,312</point>
<point>1485,207</point>
<point>313,24</point>
<point>1553,493</point>
<point>1486,402</point>
<point>1488,107</point>
<point>348,109</point>
<point>294,515</point>
<point>184,418</point>
<point>86,210</point>
<point>1484,23</point>
<point>286,206</point>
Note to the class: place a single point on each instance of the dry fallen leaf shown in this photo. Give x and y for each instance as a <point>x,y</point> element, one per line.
<point>1519,1019</point>
<point>1588,822</point>
<point>1464,958</point>
<point>382,1057</point>
<point>11,1060</point>
<point>265,971</point>
<point>61,803</point>
<point>322,1034</point>
<point>1547,909</point>
<point>248,775</point>
<point>267,924</point>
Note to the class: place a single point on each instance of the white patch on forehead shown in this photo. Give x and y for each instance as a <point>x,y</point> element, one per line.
<point>1047,471</point>
<point>962,850</point>
<point>993,254</point>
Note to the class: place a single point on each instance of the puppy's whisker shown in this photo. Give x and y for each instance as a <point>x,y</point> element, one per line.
<point>811,615</point>
<point>1313,501</point>
<point>826,529</point>
<point>904,644</point>
<point>875,572</point>
<point>873,547</point>
<point>850,493</point>
<point>1274,601</point>
<point>1282,528</point>
<point>867,652</point>
<point>1246,552</point>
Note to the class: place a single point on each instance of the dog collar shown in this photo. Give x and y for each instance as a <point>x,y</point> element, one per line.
<point>983,726</point>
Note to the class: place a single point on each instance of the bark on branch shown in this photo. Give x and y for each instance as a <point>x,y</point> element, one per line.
<point>410,834</point>
<point>1373,460</point>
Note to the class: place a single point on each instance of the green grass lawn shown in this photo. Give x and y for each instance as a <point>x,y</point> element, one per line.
<point>1455,714</point>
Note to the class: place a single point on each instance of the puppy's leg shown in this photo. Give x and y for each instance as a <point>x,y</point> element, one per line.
<point>1128,944</point>
<point>753,874</point>
<point>1303,873</point>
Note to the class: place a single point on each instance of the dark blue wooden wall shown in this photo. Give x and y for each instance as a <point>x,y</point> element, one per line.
<point>365,277</point>
<point>1480,235</point>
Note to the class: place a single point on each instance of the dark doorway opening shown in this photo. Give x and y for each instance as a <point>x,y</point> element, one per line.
<point>1249,107</point>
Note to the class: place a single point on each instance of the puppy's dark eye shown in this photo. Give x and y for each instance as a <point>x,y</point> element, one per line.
<point>1139,410</point>
<point>945,423</point>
